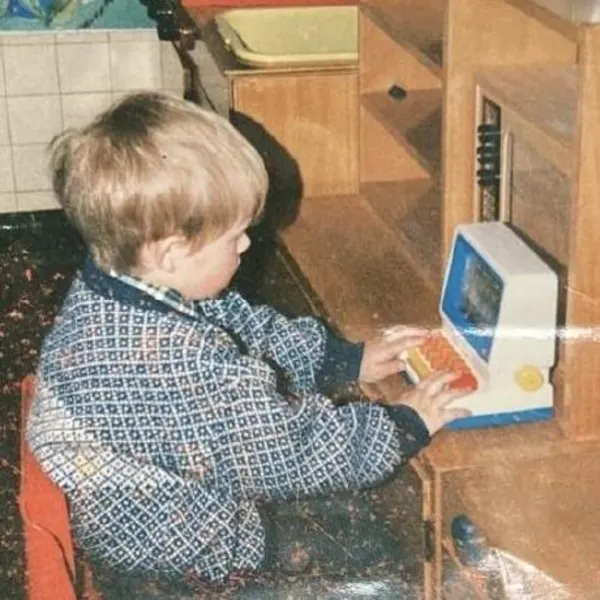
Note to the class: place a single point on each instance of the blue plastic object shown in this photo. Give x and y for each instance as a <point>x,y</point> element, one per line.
<point>468,542</point>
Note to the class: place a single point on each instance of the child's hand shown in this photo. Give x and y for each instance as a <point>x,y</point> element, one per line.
<point>431,398</point>
<point>381,356</point>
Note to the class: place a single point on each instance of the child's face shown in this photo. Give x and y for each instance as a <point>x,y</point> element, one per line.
<point>206,272</point>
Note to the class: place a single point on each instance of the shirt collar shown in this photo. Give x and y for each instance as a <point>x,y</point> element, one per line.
<point>163,294</point>
<point>134,291</point>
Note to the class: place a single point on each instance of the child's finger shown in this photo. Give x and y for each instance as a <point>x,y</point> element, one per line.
<point>391,348</point>
<point>446,397</point>
<point>451,414</point>
<point>390,367</point>
<point>400,346</point>
<point>402,331</point>
<point>437,382</point>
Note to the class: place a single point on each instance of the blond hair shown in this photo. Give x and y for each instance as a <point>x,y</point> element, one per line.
<point>152,166</point>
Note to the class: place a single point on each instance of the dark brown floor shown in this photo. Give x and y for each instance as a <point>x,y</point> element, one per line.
<point>354,545</point>
<point>38,256</point>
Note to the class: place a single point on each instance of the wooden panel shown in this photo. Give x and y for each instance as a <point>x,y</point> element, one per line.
<point>544,96</point>
<point>358,270</point>
<point>541,512</point>
<point>381,157</point>
<point>558,153</point>
<point>549,18</point>
<point>319,126</point>
<point>400,66</point>
<point>427,511</point>
<point>415,122</point>
<point>413,211</point>
<point>540,202</point>
<point>579,416</point>
<point>472,43</point>
<point>416,25</point>
<point>540,209</point>
<point>464,449</point>
<point>582,410</point>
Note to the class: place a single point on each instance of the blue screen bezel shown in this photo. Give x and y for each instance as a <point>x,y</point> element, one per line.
<point>482,344</point>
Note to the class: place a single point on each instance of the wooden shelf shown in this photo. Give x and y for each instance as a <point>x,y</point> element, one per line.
<point>363,285</point>
<point>550,18</point>
<point>416,25</point>
<point>415,122</point>
<point>412,210</point>
<point>465,449</point>
<point>542,100</point>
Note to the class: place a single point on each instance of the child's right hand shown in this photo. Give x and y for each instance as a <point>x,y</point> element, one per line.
<point>431,399</point>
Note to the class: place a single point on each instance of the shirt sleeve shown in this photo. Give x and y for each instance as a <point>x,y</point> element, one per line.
<point>341,364</point>
<point>274,446</point>
<point>310,356</point>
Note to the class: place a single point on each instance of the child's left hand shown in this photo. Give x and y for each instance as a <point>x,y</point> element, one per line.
<point>381,356</point>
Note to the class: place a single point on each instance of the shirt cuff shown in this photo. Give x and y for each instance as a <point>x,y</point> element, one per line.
<point>414,435</point>
<point>341,364</point>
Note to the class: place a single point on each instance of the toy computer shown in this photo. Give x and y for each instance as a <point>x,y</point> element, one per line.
<point>499,309</point>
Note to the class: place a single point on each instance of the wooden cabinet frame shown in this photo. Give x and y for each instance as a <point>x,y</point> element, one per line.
<point>373,255</point>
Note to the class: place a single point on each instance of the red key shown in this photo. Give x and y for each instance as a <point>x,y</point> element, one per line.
<point>466,381</point>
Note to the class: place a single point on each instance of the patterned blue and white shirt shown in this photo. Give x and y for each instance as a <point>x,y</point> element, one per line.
<point>166,421</point>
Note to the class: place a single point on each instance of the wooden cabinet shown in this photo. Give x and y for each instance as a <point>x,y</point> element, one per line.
<point>313,115</point>
<point>362,252</point>
<point>373,252</point>
<point>546,81</point>
<point>508,481</point>
<point>376,257</point>
<point>540,513</point>
<point>401,90</point>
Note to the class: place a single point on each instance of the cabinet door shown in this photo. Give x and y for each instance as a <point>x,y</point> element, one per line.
<point>314,117</point>
<point>541,515</point>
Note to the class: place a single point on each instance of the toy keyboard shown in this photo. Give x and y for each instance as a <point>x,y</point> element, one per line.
<point>437,354</point>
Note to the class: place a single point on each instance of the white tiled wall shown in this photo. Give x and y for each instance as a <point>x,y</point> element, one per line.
<point>56,80</point>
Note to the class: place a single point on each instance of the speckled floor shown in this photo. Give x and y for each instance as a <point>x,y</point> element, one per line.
<point>355,545</point>
<point>38,256</point>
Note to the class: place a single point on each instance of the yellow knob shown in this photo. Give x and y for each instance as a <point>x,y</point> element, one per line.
<point>529,378</point>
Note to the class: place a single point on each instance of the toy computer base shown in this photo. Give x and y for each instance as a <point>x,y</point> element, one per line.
<point>500,419</point>
<point>493,408</point>
<point>506,406</point>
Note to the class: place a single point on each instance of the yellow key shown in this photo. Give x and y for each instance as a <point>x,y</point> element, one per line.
<point>529,378</point>
<point>420,367</point>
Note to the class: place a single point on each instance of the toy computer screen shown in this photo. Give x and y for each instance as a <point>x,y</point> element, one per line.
<point>472,297</point>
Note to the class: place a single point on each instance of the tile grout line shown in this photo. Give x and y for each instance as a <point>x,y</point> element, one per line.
<point>8,131</point>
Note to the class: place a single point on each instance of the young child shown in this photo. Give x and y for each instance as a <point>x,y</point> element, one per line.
<point>167,407</point>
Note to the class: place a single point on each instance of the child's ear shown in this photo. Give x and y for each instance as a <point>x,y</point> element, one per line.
<point>164,255</point>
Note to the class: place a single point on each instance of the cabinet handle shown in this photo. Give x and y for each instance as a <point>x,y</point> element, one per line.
<point>397,93</point>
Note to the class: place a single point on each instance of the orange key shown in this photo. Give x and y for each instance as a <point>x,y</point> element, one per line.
<point>437,361</point>
<point>434,350</point>
<point>441,355</point>
<point>457,364</point>
<point>428,347</point>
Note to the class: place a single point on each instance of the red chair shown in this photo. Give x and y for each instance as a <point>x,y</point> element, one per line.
<point>49,550</point>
